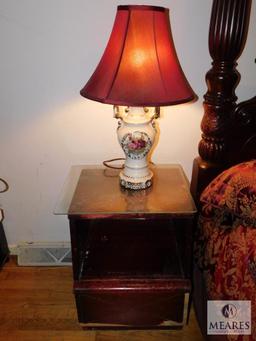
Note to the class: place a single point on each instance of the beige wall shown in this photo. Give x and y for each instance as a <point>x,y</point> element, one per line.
<point>48,51</point>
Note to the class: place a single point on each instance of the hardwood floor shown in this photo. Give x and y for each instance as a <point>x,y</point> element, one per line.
<point>36,303</point>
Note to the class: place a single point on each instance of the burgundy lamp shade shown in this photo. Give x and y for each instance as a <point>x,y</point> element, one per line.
<point>139,66</point>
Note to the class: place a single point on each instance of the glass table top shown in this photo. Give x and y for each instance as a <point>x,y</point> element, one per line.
<point>95,190</point>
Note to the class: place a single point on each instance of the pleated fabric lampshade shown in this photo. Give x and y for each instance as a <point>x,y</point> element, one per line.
<point>140,66</point>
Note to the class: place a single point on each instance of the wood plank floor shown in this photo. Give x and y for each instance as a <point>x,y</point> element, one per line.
<point>36,303</point>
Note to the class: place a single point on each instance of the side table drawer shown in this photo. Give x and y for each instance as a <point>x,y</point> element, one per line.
<point>152,303</point>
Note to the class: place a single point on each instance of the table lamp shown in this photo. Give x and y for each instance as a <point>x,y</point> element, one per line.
<point>138,73</point>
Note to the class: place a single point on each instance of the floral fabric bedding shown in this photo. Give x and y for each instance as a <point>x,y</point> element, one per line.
<point>225,246</point>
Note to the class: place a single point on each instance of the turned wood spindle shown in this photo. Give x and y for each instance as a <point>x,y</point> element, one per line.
<point>227,36</point>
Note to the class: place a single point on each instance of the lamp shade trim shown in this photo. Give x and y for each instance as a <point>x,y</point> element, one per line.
<point>141,8</point>
<point>139,104</point>
<point>139,66</point>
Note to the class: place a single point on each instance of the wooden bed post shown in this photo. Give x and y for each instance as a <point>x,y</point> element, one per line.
<point>227,36</point>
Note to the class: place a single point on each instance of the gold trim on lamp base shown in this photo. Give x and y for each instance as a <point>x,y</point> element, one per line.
<point>136,183</point>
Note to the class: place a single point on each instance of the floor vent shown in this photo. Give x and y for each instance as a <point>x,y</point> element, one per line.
<point>44,254</point>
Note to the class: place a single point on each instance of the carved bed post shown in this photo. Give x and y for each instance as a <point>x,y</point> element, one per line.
<point>227,36</point>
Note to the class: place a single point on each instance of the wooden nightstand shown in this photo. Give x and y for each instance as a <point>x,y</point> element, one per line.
<point>131,250</point>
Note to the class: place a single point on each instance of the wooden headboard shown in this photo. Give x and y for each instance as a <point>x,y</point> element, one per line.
<point>228,128</point>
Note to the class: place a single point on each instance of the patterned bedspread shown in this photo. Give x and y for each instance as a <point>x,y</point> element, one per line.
<point>225,243</point>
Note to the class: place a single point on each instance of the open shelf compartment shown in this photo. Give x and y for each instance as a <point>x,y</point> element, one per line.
<point>138,250</point>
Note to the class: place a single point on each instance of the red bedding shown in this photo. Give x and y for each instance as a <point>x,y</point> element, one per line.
<point>225,244</point>
<point>227,256</point>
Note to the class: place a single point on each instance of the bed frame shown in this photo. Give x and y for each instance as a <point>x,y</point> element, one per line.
<point>228,128</point>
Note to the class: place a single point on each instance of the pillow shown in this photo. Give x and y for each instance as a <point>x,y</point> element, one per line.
<point>234,191</point>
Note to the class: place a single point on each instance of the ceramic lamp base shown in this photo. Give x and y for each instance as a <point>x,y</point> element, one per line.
<point>136,134</point>
<point>137,183</point>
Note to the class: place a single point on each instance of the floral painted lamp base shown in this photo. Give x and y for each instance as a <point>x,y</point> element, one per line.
<point>136,134</point>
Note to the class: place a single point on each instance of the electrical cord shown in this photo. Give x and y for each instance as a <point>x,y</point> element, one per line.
<point>106,163</point>
<point>5,184</point>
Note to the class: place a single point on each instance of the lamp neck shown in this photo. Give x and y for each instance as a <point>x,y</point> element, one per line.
<point>136,115</point>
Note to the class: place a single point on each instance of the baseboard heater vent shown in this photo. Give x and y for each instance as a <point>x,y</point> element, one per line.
<point>44,254</point>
